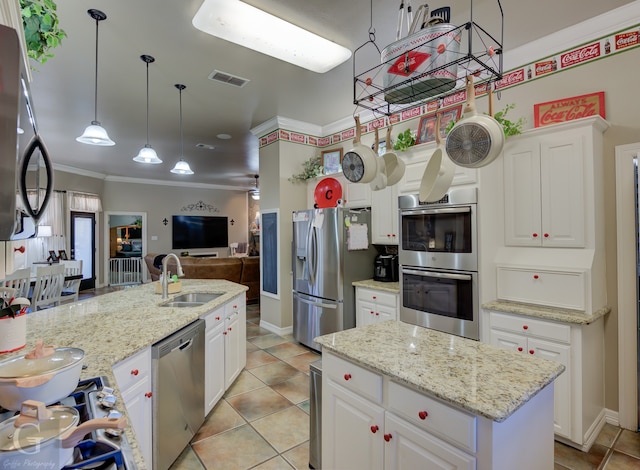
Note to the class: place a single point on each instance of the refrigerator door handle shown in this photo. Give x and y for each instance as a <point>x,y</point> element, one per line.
<point>317,304</point>
<point>313,256</point>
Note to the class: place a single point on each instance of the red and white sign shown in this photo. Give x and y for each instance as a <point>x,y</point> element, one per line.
<point>408,63</point>
<point>627,40</point>
<point>545,67</point>
<point>431,106</point>
<point>569,109</point>
<point>272,137</point>
<point>577,56</point>
<point>454,98</point>
<point>324,141</point>
<point>411,113</point>
<point>284,135</point>
<point>510,78</point>
<point>349,133</point>
<point>295,137</point>
<point>312,140</point>
<point>376,124</point>
<point>394,119</point>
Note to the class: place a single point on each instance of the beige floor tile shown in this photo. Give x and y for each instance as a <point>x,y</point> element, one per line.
<point>620,461</point>
<point>222,418</point>
<point>286,350</point>
<point>254,331</point>
<point>284,429</point>
<point>252,347</point>
<point>277,372</point>
<point>187,461</point>
<point>276,463</point>
<point>296,389</point>
<point>267,341</point>
<point>245,382</point>
<point>240,448</point>
<point>259,358</point>
<point>258,403</point>
<point>299,456</point>
<point>608,435</point>
<point>305,406</point>
<point>577,460</point>
<point>628,443</point>
<point>302,361</point>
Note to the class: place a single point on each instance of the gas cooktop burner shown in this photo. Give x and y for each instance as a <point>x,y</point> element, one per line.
<point>101,449</point>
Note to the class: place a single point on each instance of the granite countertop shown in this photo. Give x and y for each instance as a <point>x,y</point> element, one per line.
<point>563,315</point>
<point>114,326</point>
<point>480,378</point>
<point>393,287</point>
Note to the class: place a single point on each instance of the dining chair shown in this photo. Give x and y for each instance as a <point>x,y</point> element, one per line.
<point>48,288</point>
<point>71,287</point>
<point>19,280</point>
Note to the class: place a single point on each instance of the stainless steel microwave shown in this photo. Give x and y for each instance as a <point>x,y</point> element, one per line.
<point>442,234</point>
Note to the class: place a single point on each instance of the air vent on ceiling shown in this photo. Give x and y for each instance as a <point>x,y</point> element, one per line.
<point>227,78</point>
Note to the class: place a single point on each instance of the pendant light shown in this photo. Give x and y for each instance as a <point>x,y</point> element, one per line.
<point>182,167</point>
<point>95,134</point>
<point>255,193</point>
<point>147,154</point>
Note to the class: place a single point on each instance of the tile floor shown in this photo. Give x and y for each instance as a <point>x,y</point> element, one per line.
<point>262,422</point>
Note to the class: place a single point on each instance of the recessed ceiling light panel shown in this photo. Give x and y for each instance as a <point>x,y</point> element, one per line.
<point>243,24</point>
<point>223,136</point>
<point>205,146</point>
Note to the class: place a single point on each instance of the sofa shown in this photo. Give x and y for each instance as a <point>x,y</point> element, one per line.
<point>245,271</point>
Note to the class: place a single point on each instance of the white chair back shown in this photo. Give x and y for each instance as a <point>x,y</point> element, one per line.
<point>20,280</point>
<point>71,288</point>
<point>48,288</point>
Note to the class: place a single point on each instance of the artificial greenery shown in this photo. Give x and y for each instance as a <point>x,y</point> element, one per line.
<point>310,169</point>
<point>405,140</point>
<point>42,30</point>
<point>509,127</point>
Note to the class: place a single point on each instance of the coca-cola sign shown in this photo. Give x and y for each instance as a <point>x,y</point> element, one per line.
<point>627,39</point>
<point>324,141</point>
<point>408,63</point>
<point>547,66</point>
<point>578,56</point>
<point>411,113</point>
<point>510,78</point>
<point>295,137</point>
<point>569,109</point>
<point>454,98</point>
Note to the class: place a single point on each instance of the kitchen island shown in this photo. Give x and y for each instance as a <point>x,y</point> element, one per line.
<point>113,327</point>
<point>400,396</point>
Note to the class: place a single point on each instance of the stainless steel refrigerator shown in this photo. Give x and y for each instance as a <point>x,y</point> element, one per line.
<point>331,249</point>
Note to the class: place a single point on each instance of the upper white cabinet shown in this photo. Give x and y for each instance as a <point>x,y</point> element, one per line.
<point>552,177</point>
<point>384,216</point>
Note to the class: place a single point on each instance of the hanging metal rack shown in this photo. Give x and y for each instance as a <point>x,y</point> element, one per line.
<point>479,53</point>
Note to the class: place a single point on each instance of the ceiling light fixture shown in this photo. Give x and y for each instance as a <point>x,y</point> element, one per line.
<point>95,134</point>
<point>182,167</point>
<point>147,154</point>
<point>243,24</point>
<point>255,193</point>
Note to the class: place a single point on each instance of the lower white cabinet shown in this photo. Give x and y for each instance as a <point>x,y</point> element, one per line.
<point>235,349</point>
<point>369,421</point>
<point>374,306</point>
<point>579,390</point>
<point>133,376</point>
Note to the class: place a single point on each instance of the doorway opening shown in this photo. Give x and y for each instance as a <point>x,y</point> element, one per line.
<point>125,248</point>
<point>83,246</point>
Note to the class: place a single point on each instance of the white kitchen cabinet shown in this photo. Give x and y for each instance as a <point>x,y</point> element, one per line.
<point>214,379</point>
<point>579,390</point>
<point>235,352</point>
<point>385,216</point>
<point>133,376</point>
<point>374,306</point>
<point>550,185</point>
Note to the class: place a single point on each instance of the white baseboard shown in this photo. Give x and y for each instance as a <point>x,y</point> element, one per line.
<point>276,329</point>
<point>612,418</point>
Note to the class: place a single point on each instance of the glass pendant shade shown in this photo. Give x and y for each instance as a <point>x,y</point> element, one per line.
<point>255,195</point>
<point>147,155</point>
<point>95,134</point>
<point>182,168</point>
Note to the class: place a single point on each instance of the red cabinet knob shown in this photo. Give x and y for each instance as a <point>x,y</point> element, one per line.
<point>371,312</point>
<point>535,235</point>
<point>148,394</point>
<point>235,307</point>
<point>135,372</point>
<point>229,328</point>
<point>374,428</point>
<point>393,235</point>
<point>423,415</point>
<point>347,376</point>
<point>546,235</point>
<point>377,314</point>
<point>387,437</point>
<point>525,327</point>
<point>218,318</point>
<point>520,348</point>
<point>374,297</point>
<point>224,332</point>
<point>531,351</point>
<point>535,276</point>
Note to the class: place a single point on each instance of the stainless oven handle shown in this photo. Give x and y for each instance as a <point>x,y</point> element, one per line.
<point>459,277</point>
<point>443,210</point>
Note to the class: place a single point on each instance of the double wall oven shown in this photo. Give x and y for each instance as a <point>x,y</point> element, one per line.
<point>439,262</point>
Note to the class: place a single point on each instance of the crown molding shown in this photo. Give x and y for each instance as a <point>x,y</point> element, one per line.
<point>280,122</point>
<point>79,171</point>
<point>181,184</point>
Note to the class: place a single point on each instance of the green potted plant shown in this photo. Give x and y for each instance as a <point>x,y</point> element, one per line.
<point>405,140</point>
<point>310,169</point>
<point>42,30</point>
<point>510,127</point>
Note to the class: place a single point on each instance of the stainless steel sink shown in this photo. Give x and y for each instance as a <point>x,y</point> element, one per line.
<point>196,297</point>
<point>192,299</point>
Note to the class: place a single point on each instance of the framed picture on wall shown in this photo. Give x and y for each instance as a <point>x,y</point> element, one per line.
<point>62,254</point>
<point>332,161</point>
<point>53,257</point>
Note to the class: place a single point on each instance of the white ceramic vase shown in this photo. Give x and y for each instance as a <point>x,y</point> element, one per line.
<point>13,333</point>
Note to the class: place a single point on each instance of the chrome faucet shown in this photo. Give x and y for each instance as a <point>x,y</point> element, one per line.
<point>165,276</point>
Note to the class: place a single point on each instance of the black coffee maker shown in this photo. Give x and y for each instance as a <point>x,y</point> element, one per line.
<point>386,268</point>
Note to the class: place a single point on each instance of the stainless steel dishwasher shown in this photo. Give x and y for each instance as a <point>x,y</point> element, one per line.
<point>178,392</point>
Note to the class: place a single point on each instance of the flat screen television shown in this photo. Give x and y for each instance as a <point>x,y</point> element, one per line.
<point>195,231</point>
